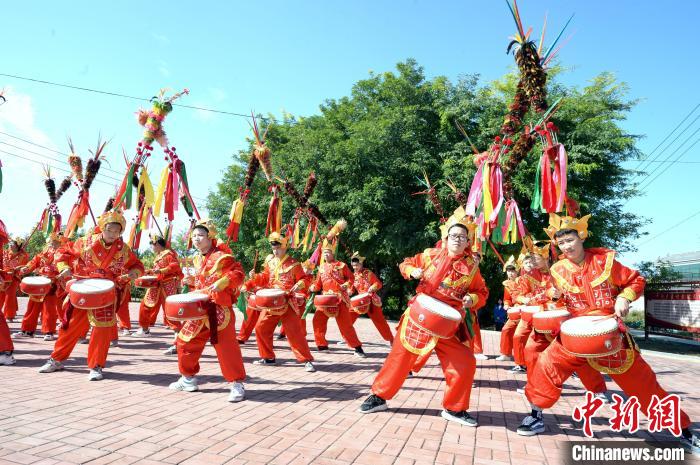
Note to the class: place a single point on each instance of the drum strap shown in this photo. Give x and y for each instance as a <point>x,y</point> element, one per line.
<point>67,313</point>
<point>213,324</point>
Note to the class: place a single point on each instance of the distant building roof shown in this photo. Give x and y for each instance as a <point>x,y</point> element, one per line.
<point>682,258</point>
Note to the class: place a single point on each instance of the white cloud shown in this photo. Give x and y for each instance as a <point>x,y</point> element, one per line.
<point>17,118</point>
<point>163,68</point>
<point>160,38</point>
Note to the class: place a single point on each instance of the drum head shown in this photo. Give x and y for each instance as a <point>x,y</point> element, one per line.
<point>439,308</point>
<point>531,308</point>
<point>92,286</point>
<point>587,325</point>
<point>551,314</point>
<point>191,297</point>
<point>269,292</point>
<point>36,280</point>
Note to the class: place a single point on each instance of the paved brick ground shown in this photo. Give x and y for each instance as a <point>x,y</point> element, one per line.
<point>289,417</point>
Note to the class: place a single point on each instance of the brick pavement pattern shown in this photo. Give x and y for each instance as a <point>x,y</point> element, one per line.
<point>289,417</point>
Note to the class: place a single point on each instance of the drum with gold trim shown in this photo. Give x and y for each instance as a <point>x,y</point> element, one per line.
<point>251,302</point>
<point>550,321</point>
<point>514,313</point>
<point>186,307</point>
<point>271,300</point>
<point>90,294</point>
<point>36,286</point>
<point>146,282</point>
<point>360,303</point>
<point>328,304</point>
<point>434,316</point>
<point>591,336</point>
<point>527,311</point>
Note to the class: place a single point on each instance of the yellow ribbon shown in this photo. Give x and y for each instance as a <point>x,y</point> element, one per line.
<point>161,192</point>
<point>488,203</point>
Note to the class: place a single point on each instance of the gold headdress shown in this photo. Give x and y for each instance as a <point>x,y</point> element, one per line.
<point>511,262</point>
<point>207,224</point>
<point>330,242</point>
<point>459,217</point>
<point>112,216</point>
<point>559,223</point>
<point>533,247</point>
<point>277,237</point>
<point>358,257</point>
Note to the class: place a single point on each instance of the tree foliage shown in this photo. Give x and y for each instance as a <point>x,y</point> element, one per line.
<point>370,148</point>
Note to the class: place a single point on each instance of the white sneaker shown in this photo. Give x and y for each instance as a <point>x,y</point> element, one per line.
<point>95,374</point>
<point>172,350</point>
<point>340,343</point>
<point>50,366</point>
<point>504,358</point>
<point>141,333</point>
<point>237,392</point>
<point>125,332</point>
<point>7,359</point>
<point>481,357</point>
<point>49,337</point>
<point>114,343</point>
<point>604,396</point>
<point>309,367</point>
<point>185,384</point>
<point>520,390</point>
<point>21,334</point>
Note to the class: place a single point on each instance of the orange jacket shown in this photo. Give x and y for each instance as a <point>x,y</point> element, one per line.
<point>462,278</point>
<point>366,281</point>
<point>533,287</point>
<point>13,260</point>
<point>167,266</point>
<point>218,267</point>
<point>593,286</point>
<point>43,263</point>
<point>333,277</point>
<point>511,291</point>
<point>285,273</point>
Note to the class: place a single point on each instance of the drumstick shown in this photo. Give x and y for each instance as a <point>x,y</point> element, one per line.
<point>603,317</point>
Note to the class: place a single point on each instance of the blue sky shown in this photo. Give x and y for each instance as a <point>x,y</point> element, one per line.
<point>289,56</point>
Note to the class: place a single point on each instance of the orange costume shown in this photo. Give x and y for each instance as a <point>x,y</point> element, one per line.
<point>49,305</point>
<point>335,278</point>
<point>90,257</point>
<point>12,261</point>
<point>448,279</point>
<point>591,288</point>
<point>6,344</point>
<point>532,287</point>
<point>219,269</point>
<point>511,291</point>
<point>248,325</point>
<point>367,282</point>
<point>166,268</point>
<point>287,274</point>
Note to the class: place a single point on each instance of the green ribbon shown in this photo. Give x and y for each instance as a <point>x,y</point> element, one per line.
<point>242,305</point>
<point>309,305</point>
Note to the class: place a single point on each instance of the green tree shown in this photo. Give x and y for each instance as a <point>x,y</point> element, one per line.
<point>659,272</point>
<point>369,150</point>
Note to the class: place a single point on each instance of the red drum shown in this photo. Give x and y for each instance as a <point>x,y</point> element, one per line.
<point>185,307</point>
<point>146,281</point>
<point>35,285</point>
<point>433,316</point>
<point>514,313</point>
<point>90,294</point>
<point>591,336</point>
<point>271,300</point>
<point>360,303</point>
<point>300,301</point>
<point>550,321</point>
<point>251,303</point>
<point>327,303</point>
<point>526,312</point>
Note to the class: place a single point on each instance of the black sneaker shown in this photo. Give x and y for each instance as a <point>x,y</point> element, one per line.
<point>281,337</point>
<point>574,375</point>
<point>240,342</point>
<point>359,352</point>
<point>373,404</point>
<point>531,426</point>
<point>463,418</point>
<point>265,361</point>
<point>322,348</point>
<point>692,443</point>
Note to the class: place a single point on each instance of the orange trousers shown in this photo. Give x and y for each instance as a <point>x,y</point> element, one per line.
<point>522,332</point>
<point>537,343</point>
<point>248,324</point>
<point>49,309</point>
<point>123,317</point>
<point>476,344</point>
<point>376,314</point>
<point>458,365</point>
<point>6,344</point>
<point>344,321</point>
<point>78,328</point>
<point>555,365</point>
<point>265,330</point>
<point>149,315</point>
<point>507,333</point>
<point>8,299</point>
<point>227,351</point>
<point>303,328</point>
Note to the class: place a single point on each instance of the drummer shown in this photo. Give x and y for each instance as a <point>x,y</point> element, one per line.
<point>367,282</point>
<point>101,255</point>
<point>6,345</point>
<point>451,276</point>
<point>591,282</point>
<point>334,277</point>
<point>282,272</point>
<point>44,264</point>
<point>14,257</point>
<point>220,276</point>
<point>510,292</point>
<point>167,273</point>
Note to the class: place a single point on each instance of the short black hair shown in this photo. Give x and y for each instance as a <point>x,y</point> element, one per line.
<point>564,232</point>
<point>199,226</point>
<point>355,260</point>
<point>458,225</point>
<point>160,241</point>
<point>511,268</point>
